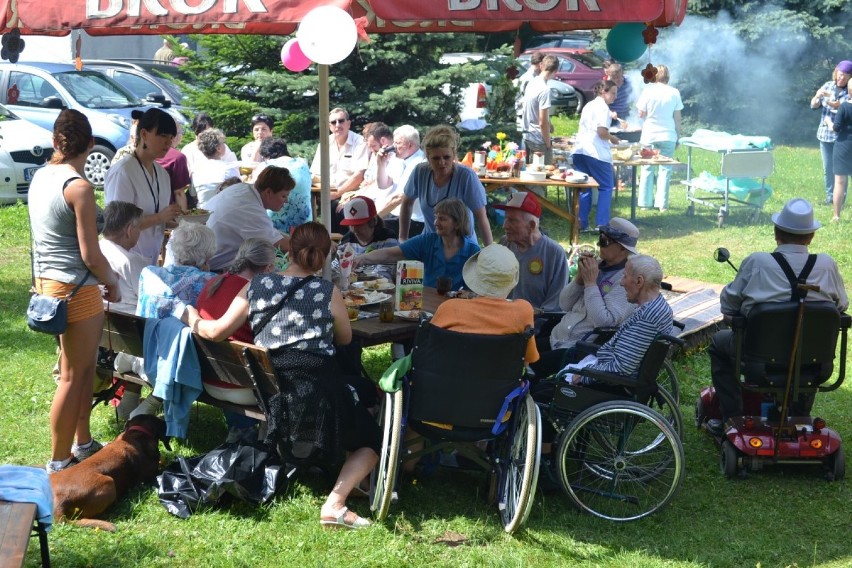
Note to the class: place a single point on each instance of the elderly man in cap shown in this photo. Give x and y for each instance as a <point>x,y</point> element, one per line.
<point>543,266</point>
<point>595,298</point>
<point>492,274</point>
<point>761,278</point>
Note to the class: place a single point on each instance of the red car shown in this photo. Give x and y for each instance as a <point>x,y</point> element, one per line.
<point>580,68</point>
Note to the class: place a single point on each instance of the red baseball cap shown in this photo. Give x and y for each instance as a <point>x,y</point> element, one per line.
<point>524,201</point>
<point>358,211</point>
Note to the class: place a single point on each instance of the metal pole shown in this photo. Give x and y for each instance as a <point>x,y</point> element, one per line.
<point>325,183</point>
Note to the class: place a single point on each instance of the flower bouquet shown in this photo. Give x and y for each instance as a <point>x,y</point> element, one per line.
<point>503,156</point>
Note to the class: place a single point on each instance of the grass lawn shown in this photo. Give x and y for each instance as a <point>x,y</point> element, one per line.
<point>779,517</point>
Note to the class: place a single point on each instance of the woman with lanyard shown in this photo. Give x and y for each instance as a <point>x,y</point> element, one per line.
<point>440,178</point>
<point>137,178</point>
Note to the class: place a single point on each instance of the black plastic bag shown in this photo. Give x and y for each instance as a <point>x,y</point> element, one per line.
<point>251,473</point>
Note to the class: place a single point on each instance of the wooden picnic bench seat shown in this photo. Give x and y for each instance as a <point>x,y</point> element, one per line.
<point>233,362</point>
<point>17,522</point>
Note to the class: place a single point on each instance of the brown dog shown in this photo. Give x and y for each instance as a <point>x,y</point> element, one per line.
<point>89,488</point>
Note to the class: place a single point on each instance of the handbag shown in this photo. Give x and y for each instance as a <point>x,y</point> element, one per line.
<point>47,314</point>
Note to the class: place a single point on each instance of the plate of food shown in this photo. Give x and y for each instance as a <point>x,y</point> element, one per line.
<point>412,315</point>
<point>196,215</point>
<point>378,284</point>
<point>571,176</point>
<point>365,298</point>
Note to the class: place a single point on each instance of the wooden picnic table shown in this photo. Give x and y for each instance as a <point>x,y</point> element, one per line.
<point>371,331</point>
<point>572,196</point>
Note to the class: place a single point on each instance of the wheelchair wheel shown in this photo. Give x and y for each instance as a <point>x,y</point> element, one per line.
<point>520,466</point>
<point>665,403</point>
<point>620,461</point>
<point>383,478</point>
<point>668,380</point>
<point>728,458</point>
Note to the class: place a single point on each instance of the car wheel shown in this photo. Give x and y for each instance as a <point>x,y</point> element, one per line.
<point>97,164</point>
<point>581,101</point>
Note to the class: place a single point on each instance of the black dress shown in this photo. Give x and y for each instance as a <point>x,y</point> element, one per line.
<point>843,145</point>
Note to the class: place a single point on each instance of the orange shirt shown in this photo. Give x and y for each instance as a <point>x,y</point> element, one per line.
<point>488,316</point>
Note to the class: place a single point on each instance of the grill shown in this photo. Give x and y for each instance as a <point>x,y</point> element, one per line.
<point>23,188</point>
<point>27,157</point>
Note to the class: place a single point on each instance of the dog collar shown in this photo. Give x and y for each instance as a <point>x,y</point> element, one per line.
<point>142,429</point>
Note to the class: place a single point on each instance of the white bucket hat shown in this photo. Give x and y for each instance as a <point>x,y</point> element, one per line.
<point>493,271</point>
<point>797,217</point>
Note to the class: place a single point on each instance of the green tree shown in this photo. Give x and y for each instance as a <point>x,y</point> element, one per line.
<point>396,79</point>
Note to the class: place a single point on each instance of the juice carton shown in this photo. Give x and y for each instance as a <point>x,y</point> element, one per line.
<point>409,285</point>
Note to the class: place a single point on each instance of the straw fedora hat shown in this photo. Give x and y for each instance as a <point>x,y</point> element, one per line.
<point>493,271</point>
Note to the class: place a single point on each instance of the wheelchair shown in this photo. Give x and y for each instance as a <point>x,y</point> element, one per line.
<point>618,450</point>
<point>464,393</point>
<point>784,356</point>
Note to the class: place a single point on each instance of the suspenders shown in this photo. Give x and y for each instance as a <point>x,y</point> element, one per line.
<point>795,294</point>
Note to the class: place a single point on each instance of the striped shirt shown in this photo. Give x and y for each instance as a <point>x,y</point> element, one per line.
<point>623,353</point>
<point>824,133</point>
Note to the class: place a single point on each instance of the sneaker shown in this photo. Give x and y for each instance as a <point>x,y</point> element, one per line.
<point>80,453</point>
<point>151,405</point>
<point>50,468</point>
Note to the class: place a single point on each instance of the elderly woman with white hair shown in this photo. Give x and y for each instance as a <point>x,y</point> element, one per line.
<point>491,274</point>
<point>166,291</point>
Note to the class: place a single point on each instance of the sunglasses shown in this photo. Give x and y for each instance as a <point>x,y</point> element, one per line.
<point>617,235</point>
<point>338,121</point>
<point>262,118</point>
<point>604,242</point>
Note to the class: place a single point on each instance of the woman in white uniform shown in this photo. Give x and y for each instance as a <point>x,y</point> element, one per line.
<point>138,179</point>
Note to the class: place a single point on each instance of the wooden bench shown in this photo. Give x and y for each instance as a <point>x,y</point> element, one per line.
<point>17,522</point>
<point>234,362</point>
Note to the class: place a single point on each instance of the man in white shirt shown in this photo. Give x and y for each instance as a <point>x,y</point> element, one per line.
<point>394,169</point>
<point>536,114</point>
<point>121,231</point>
<point>347,153</point>
<point>378,135</point>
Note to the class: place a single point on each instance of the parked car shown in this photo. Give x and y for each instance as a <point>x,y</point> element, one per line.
<point>563,98</point>
<point>579,39</point>
<point>24,148</point>
<point>579,68</point>
<point>37,92</point>
<point>149,82</point>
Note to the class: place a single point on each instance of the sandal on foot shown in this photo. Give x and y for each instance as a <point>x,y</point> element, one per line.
<point>339,520</point>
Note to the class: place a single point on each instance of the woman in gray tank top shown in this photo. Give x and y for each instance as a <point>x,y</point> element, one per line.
<point>66,252</point>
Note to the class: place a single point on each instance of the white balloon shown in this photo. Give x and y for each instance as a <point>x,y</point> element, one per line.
<point>327,35</point>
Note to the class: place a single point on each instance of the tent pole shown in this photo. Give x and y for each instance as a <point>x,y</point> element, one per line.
<point>325,192</point>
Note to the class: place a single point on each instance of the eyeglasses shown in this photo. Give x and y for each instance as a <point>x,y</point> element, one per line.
<point>338,121</point>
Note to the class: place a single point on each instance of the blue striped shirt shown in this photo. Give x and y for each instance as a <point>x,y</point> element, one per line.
<point>623,353</point>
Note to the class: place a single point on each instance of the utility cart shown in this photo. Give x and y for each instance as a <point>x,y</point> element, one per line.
<point>744,168</point>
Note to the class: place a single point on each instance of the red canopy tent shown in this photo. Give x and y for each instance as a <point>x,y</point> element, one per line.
<point>281,17</point>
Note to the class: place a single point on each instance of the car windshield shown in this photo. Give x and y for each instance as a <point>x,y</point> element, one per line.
<point>93,90</point>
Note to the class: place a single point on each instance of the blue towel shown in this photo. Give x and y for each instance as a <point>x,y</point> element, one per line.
<point>721,141</point>
<point>171,364</point>
<point>21,484</point>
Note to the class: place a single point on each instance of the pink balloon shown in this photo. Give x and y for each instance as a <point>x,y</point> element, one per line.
<point>292,56</point>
